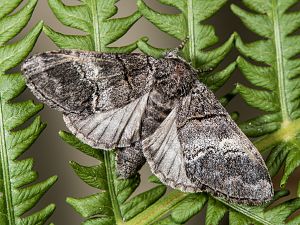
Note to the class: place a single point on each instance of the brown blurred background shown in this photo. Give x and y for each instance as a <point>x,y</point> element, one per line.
<point>52,155</point>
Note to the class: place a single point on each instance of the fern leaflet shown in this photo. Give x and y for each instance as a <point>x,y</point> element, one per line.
<point>17,196</point>
<point>278,80</point>
<point>111,204</point>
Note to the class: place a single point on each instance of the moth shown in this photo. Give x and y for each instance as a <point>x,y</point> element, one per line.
<point>153,110</point>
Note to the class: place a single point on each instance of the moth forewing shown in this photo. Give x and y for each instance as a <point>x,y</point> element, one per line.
<point>198,148</point>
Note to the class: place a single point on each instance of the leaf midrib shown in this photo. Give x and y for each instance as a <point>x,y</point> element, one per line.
<point>285,133</point>
<point>96,25</point>
<point>159,209</point>
<point>107,161</point>
<point>191,27</point>
<point>5,169</point>
<point>279,64</point>
<point>111,188</point>
<point>245,212</point>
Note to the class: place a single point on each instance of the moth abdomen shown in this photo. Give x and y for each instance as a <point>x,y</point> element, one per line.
<point>129,160</point>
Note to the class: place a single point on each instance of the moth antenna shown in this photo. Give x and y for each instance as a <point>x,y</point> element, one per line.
<point>200,71</point>
<point>183,43</point>
<point>174,52</point>
<point>205,70</point>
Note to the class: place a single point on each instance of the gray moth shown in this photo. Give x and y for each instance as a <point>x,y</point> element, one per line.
<point>153,110</point>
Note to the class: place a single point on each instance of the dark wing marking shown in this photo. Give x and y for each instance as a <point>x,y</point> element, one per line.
<point>55,80</point>
<point>114,128</point>
<point>214,154</point>
<point>83,82</point>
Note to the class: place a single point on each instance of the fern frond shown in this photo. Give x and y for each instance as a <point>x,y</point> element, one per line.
<point>278,81</point>
<point>112,203</point>
<point>264,214</point>
<point>93,18</point>
<point>184,206</point>
<point>18,195</point>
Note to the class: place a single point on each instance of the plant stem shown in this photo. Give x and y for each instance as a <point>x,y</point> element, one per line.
<point>96,26</point>
<point>279,63</point>
<point>5,169</point>
<point>246,212</point>
<point>191,27</point>
<point>111,187</point>
<point>158,209</point>
<point>287,132</point>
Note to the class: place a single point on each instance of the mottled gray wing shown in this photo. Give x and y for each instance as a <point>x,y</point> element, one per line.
<point>74,81</point>
<point>114,128</point>
<point>103,96</point>
<point>199,148</point>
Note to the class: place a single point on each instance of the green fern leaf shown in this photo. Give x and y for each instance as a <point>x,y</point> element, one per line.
<point>262,214</point>
<point>93,18</point>
<point>215,212</point>
<point>278,81</point>
<point>17,196</point>
<point>187,205</point>
<point>238,214</point>
<point>194,203</point>
<point>112,204</point>
<point>12,25</point>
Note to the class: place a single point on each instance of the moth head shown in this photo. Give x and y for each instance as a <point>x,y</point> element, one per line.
<point>174,76</point>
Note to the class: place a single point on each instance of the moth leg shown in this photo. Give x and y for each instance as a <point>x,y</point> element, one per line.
<point>129,160</point>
